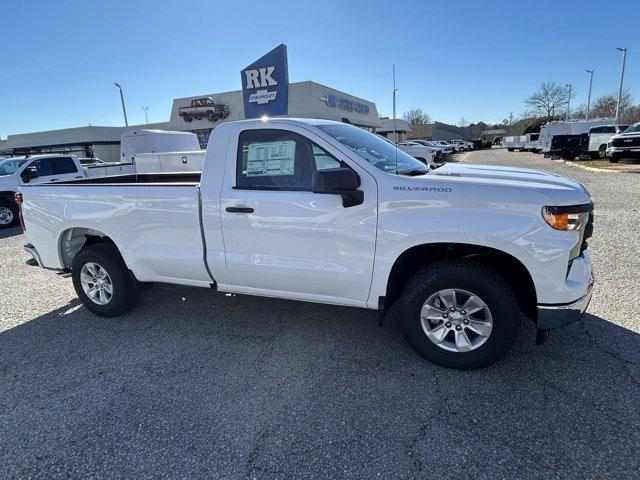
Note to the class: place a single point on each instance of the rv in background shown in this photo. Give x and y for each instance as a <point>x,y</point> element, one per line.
<point>571,127</point>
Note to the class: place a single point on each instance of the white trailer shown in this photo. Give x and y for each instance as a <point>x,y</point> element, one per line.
<point>515,142</point>
<point>571,127</point>
<point>134,142</point>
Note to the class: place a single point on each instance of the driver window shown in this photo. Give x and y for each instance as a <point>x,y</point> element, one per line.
<point>42,167</point>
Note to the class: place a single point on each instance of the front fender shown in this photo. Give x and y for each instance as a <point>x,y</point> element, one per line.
<point>448,218</point>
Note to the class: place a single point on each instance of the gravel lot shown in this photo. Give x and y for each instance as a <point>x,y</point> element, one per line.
<point>195,384</point>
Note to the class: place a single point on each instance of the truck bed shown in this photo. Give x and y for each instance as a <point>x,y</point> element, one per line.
<point>153,219</point>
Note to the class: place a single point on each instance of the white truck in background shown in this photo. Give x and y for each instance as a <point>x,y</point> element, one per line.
<point>325,212</point>
<point>532,142</point>
<point>515,142</point>
<point>18,171</point>
<point>599,139</point>
<point>162,151</point>
<point>625,144</point>
<point>418,151</point>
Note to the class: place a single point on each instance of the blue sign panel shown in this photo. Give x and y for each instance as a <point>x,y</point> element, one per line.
<point>342,103</point>
<point>265,85</point>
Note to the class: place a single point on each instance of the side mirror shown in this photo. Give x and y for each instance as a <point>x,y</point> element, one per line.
<point>339,181</point>
<point>28,174</point>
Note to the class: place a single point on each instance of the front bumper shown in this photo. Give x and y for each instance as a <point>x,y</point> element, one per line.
<point>623,152</point>
<point>556,316</point>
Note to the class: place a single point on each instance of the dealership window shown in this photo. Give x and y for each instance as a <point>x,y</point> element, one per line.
<point>270,159</point>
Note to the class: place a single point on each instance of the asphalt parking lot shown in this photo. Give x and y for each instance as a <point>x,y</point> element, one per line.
<point>194,383</point>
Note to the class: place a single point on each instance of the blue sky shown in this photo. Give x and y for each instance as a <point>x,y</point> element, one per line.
<point>477,60</point>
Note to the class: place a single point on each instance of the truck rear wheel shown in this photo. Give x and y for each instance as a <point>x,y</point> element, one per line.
<point>459,314</point>
<point>8,215</point>
<point>602,151</point>
<point>511,149</point>
<point>103,282</point>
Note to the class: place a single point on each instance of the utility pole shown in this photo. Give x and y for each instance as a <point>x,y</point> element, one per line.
<point>624,61</point>
<point>569,101</point>
<point>124,110</point>
<point>590,72</point>
<point>145,113</point>
<point>395,134</point>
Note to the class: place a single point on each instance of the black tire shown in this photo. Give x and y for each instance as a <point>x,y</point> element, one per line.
<point>471,277</point>
<point>125,286</point>
<point>211,116</point>
<point>567,156</point>
<point>511,149</point>
<point>9,214</point>
<point>602,152</point>
<point>614,159</point>
<point>188,118</point>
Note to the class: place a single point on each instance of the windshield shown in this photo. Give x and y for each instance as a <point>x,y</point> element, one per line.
<point>633,128</point>
<point>375,150</point>
<point>10,165</point>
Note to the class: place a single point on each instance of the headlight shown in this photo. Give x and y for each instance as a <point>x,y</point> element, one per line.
<point>567,219</point>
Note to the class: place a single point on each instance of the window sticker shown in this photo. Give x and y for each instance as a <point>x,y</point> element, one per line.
<point>271,159</point>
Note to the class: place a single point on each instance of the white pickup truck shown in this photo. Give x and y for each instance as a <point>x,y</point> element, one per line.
<point>15,172</point>
<point>325,212</point>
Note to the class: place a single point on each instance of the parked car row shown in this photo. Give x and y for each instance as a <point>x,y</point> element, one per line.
<point>595,139</point>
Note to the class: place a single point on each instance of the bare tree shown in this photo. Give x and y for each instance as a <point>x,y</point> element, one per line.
<point>463,122</point>
<point>550,100</point>
<point>605,105</point>
<point>416,116</point>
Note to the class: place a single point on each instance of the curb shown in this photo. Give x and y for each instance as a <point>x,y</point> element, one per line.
<point>596,169</point>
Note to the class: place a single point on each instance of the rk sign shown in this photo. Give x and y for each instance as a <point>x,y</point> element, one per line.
<point>265,85</point>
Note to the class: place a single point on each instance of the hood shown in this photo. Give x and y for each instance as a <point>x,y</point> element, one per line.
<point>625,135</point>
<point>7,182</point>
<point>560,189</point>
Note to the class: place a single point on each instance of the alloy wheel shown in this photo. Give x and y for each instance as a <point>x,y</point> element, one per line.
<point>456,320</point>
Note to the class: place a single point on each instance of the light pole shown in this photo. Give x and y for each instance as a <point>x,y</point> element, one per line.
<point>145,113</point>
<point>624,60</point>
<point>569,101</point>
<point>395,135</point>
<point>590,72</point>
<point>124,110</point>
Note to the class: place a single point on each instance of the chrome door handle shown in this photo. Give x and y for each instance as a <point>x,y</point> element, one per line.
<point>239,209</point>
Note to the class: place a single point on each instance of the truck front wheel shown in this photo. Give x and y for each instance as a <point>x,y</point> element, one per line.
<point>460,314</point>
<point>102,281</point>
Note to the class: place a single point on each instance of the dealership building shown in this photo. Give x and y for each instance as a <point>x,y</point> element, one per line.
<point>305,99</point>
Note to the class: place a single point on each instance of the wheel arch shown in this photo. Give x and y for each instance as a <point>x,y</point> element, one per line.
<point>7,196</point>
<point>74,239</point>
<point>409,262</point>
